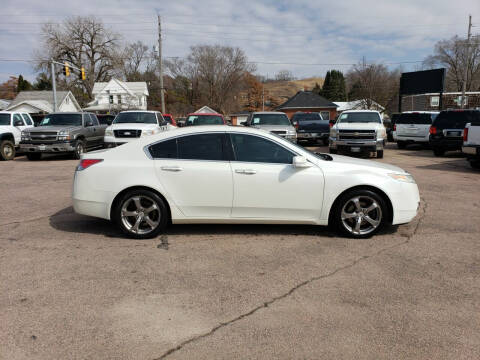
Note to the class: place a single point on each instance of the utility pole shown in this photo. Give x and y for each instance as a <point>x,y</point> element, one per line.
<point>467,55</point>
<point>54,88</point>
<point>160,63</point>
<point>263,97</point>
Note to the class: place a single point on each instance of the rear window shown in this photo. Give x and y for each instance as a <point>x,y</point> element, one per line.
<point>135,118</point>
<point>306,117</point>
<point>456,119</point>
<point>270,119</point>
<point>415,118</point>
<point>204,120</point>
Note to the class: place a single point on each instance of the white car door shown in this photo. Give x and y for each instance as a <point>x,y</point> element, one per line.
<point>268,186</point>
<point>18,124</point>
<point>196,174</point>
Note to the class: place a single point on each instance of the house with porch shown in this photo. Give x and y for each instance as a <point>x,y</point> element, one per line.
<point>310,102</point>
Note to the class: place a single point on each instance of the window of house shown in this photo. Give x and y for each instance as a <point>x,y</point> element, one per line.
<point>119,99</point>
<point>249,148</point>
<point>67,100</point>
<point>435,101</point>
<point>458,100</point>
<point>110,99</point>
<point>325,115</point>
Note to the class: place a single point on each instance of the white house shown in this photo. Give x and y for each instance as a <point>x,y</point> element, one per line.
<point>117,95</point>
<point>206,110</point>
<point>41,102</point>
<point>358,105</point>
<point>4,104</point>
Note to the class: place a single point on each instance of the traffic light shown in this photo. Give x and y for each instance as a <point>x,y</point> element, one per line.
<point>82,70</point>
<point>66,69</point>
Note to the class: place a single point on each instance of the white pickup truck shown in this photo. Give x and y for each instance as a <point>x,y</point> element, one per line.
<point>11,126</point>
<point>357,131</point>
<point>471,143</point>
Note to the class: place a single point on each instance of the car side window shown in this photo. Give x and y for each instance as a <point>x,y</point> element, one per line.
<point>27,119</point>
<point>94,119</point>
<point>201,147</point>
<point>161,120</point>
<point>17,117</point>
<point>249,148</point>
<point>164,149</point>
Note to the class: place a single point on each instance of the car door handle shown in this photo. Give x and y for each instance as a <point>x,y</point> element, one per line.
<point>245,171</point>
<point>171,168</point>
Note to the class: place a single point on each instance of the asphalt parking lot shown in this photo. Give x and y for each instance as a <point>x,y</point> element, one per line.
<point>71,287</point>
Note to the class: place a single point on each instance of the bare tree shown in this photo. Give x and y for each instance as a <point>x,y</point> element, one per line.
<point>452,54</point>
<point>82,42</point>
<point>284,75</point>
<point>134,59</point>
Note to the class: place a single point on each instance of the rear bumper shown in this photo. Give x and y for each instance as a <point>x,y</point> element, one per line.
<point>412,139</point>
<point>47,148</point>
<point>446,143</point>
<point>471,151</point>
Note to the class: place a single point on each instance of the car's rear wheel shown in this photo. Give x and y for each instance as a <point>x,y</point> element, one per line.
<point>401,144</point>
<point>439,151</point>
<point>141,214</point>
<point>34,156</point>
<point>475,164</point>
<point>360,213</point>
<point>325,142</point>
<point>7,150</point>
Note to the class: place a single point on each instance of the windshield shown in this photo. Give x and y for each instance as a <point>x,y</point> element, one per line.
<point>270,119</point>
<point>415,118</point>
<point>135,118</point>
<point>204,120</point>
<point>168,118</point>
<point>456,119</point>
<point>62,119</point>
<point>306,116</point>
<point>4,119</point>
<point>359,117</point>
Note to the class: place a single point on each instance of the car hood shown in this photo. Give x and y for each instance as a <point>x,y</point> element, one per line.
<point>358,126</point>
<point>53,128</point>
<point>352,162</point>
<point>132,126</point>
<point>274,127</point>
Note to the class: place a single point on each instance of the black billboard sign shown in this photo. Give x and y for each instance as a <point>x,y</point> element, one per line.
<point>421,82</point>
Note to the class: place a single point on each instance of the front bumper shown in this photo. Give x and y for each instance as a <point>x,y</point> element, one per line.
<point>311,136</point>
<point>112,141</point>
<point>292,138</point>
<point>364,145</point>
<point>57,147</point>
<point>405,201</point>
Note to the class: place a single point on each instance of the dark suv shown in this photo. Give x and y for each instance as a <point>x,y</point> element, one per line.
<point>446,132</point>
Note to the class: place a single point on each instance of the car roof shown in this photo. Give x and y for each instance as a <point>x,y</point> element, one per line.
<point>420,112</point>
<point>268,112</point>
<point>143,111</point>
<point>199,114</point>
<point>359,111</point>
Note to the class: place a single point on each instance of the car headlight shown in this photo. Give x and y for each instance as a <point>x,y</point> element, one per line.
<point>150,132</point>
<point>25,135</point>
<point>291,132</point>
<point>108,132</point>
<point>403,177</point>
<point>381,134</point>
<point>333,132</point>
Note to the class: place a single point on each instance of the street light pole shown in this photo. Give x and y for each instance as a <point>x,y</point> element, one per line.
<point>467,55</point>
<point>54,88</point>
<point>160,64</point>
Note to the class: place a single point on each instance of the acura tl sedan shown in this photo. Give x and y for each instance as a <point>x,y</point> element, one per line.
<point>226,174</point>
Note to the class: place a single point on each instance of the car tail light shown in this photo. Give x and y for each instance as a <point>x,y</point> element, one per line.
<point>394,127</point>
<point>330,124</point>
<point>465,134</point>
<point>85,163</point>
<point>433,130</point>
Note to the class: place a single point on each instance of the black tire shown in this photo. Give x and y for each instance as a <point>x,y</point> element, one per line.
<point>325,142</point>
<point>438,151</point>
<point>346,200</point>
<point>7,150</point>
<point>333,151</point>
<point>34,156</point>
<point>79,149</point>
<point>379,154</point>
<point>401,144</point>
<point>475,164</point>
<point>160,215</point>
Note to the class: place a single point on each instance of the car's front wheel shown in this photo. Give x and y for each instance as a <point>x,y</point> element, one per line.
<point>7,150</point>
<point>360,213</point>
<point>332,151</point>
<point>379,154</point>
<point>79,149</point>
<point>141,214</point>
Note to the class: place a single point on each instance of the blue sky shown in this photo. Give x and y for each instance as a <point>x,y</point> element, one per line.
<point>289,32</point>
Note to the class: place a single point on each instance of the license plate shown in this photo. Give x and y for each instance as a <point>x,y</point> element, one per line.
<point>42,147</point>
<point>314,134</point>
<point>355,149</point>
<point>454,133</point>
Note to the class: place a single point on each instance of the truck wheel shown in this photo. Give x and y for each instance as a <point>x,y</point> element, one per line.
<point>475,164</point>
<point>359,213</point>
<point>333,151</point>
<point>379,154</point>
<point>401,144</point>
<point>79,149</point>
<point>325,142</point>
<point>7,150</point>
<point>438,151</point>
<point>34,156</point>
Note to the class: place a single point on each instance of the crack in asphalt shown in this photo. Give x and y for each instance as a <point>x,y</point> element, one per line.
<point>295,288</point>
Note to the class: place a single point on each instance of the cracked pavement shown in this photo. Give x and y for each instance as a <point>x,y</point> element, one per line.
<point>73,287</point>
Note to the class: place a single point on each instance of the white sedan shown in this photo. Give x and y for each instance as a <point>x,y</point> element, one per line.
<point>226,174</point>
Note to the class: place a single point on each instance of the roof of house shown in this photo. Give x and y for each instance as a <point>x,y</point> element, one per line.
<point>136,87</point>
<point>36,97</point>
<point>357,105</point>
<point>205,110</point>
<point>306,100</point>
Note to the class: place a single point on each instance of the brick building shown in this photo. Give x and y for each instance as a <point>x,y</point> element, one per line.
<point>309,101</point>
<point>431,102</point>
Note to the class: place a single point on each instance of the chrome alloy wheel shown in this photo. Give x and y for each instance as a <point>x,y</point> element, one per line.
<point>8,150</point>
<point>140,214</point>
<point>361,215</point>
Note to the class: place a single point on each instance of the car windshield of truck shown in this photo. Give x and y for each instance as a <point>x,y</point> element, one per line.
<point>168,118</point>
<point>135,118</point>
<point>456,119</point>
<point>4,119</point>
<point>306,117</point>
<point>270,119</point>
<point>415,118</point>
<point>62,120</point>
<point>359,117</point>
<point>204,120</point>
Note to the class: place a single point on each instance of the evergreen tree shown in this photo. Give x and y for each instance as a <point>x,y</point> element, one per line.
<point>317,89</point>
<point>23,84</point>
<point>42,82</point>
<point>334,88</point>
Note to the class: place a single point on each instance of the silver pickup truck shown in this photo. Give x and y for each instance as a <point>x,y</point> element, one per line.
<point>74,132</point>
<point>273,121</point>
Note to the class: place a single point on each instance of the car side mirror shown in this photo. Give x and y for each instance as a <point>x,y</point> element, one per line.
<point>17,123</point>
<point>301,162</point>
<point>88,123</point>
